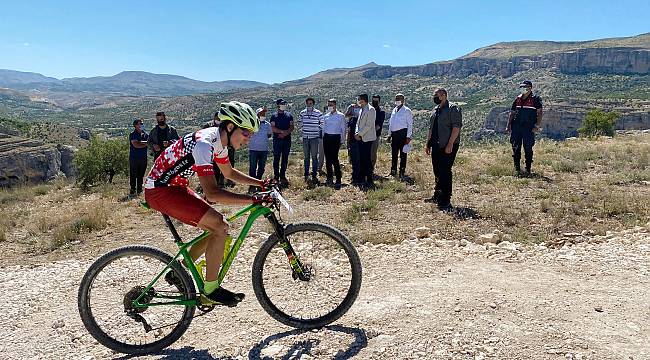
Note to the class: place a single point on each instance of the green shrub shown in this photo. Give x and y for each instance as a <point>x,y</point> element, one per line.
<point>500,169</point>
<point>102,160</point>
<point>598,122</point>
<point>354,213</point>
<point>319,193</point>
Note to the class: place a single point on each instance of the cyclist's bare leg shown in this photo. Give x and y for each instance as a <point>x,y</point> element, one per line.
<point>214,222</point>
<point>198,249</point>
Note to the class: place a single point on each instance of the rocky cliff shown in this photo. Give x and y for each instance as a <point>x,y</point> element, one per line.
<point>26,161</point>
<point>614,60</point>
<point>563,120</point>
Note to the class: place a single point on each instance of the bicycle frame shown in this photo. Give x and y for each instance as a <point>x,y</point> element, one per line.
<point>254,211</point>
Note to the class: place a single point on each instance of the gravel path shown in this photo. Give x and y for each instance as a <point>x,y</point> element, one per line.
<point>423,298</point>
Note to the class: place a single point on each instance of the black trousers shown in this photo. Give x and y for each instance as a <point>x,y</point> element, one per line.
<point>365,160</point>
<point>137,168</point>
<point>525,137</point>
<point>281,149</point>
<point>442,164</point>
<point>332,144</point>
<point>398,139</point>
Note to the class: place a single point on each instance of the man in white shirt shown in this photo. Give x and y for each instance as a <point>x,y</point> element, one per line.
<point>400,126</point>
<point>334,125</point>
<point>366,134</point>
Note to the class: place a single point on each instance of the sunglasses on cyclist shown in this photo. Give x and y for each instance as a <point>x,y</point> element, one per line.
<point>245,132</point>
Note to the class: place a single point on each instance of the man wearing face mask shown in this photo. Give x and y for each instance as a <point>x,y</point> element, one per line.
<point>524,121</point>
<point>162,135</point>
<point>366,134</point>
<point>311,120</point>
<point>400,126</point>
<point>443,140</point>
<point>379,124</point>
<point>334,125</point>
<point>282,126</point>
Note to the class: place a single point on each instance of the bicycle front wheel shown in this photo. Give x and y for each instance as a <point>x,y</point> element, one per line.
<point>325,293</point>
<point>115,281</point>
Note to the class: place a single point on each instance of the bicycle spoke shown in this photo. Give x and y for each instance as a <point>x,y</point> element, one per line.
<point>331,276</point>
<point>107,298</point>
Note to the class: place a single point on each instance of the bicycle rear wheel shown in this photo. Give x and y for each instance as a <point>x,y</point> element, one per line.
<point>332,284</point>
<point>114,281</point>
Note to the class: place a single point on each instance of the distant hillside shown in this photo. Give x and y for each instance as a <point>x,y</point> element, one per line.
<point>505,50</point>
<point>629,55</point>
<point>17,79</point>
<point>128,83</point>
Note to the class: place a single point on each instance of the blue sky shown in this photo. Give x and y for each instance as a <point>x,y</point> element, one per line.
<point>275,41</point>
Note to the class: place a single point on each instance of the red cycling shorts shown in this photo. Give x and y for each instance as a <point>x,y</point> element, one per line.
<point>179,202</point>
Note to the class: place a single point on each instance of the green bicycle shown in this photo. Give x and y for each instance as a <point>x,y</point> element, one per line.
<point>305,275</point>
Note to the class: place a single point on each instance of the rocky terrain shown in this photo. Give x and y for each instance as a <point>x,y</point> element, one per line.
<point>425,298</point>
<point>577,61</point>
<point>27,161</point>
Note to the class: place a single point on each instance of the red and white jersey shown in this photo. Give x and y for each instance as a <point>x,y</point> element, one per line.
<point>193,153</point>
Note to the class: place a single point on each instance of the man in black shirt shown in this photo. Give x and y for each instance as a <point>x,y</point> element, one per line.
<point>442,145</point>
<point>524,121</point>
<point>137,157</point>
<point>162,135</point>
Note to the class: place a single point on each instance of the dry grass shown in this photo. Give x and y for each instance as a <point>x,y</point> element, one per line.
<point>55,230</point>
<point>594,185</point>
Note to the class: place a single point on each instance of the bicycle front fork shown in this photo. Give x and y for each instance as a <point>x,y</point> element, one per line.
<point>298,269</point>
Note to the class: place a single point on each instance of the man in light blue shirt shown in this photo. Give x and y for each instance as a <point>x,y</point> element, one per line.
<point>258,148</point>
<point>334,125</point>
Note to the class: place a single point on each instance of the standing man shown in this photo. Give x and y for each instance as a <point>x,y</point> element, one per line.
<point>379,124</point>
<point>524,121</point>
<point>137,157</point>
<point>282,126</point>
<point>258,148</point>
<point>352,115</point>
<point>334,125</point>
<point>366,134</point>
<point>442,144</point>
<point>162,135</point>
<point>400,126</point>
<point>311,120</point>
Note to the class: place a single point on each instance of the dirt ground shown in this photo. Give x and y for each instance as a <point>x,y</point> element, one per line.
<point>421,299</point>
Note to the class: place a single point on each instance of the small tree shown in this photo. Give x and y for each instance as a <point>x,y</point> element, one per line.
<point>102,160</point>
<point>598,122</point>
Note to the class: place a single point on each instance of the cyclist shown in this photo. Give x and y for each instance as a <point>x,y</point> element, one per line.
<point>167,191</point>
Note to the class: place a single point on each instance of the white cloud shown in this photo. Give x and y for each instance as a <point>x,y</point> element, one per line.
<point>26,44</point>
<point>386,46</point>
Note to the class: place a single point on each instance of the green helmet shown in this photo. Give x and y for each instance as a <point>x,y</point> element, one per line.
<point>240,114</point>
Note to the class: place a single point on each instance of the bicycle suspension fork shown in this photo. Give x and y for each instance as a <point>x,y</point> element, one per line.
<point>299,271</point>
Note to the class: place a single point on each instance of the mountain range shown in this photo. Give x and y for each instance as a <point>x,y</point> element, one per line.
<point>129,83</point>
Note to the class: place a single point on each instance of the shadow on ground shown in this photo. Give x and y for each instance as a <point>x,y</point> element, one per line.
<point>294,351</point>
<point>303,347</point>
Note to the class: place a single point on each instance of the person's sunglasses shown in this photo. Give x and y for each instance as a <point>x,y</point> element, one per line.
<point>245,132</point>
